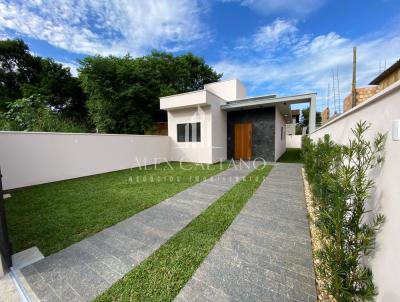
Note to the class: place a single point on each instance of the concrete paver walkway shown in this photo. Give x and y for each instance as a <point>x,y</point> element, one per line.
<point>265,255</point>
<point>86,269</point>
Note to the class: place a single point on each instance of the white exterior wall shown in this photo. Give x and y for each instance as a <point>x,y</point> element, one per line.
<point>380,111</point>
<point>212,146</point>
<point>200,152</point>
<point>280,144</point>
<point>228,90</point>
<point>219,130</point>
<point>240,91</point>
<point>293,141</point>
<point>29,158</point>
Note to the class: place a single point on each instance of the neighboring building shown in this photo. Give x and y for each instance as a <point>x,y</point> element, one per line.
<point>383,80</point>
<point>388,77</point>
<point>292,121</point>
<point>220,122</point>
<point>325,115</point>
<point>362,94</point>
<point>295,116</point>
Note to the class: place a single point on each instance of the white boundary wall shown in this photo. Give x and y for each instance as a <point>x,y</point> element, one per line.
<point>380,110</point>
<point>293,141</point>
<point>30,158</point>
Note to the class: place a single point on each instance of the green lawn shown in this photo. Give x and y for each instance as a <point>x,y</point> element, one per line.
<point>292,155</point>
<point>55,215</point>
<point>161,276</point>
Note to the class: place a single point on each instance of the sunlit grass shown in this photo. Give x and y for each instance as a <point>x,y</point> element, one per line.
<point>55,215</point>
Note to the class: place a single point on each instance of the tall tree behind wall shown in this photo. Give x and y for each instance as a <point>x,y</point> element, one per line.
<point>124,92</point>
<point>23,75</point>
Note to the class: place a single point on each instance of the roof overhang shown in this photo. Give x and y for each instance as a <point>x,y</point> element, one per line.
<point>267,101</point>
<point>184,100</point>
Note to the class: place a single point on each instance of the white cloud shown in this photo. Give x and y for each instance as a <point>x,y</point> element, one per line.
<point>280,31</point>
<point>268,40</point>
<point>73,67</point>
<point>306,63</point>
<point>106,27</point>
<point>268,7</point>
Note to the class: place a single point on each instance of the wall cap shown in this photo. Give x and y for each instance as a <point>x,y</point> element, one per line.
<point>71,133</point>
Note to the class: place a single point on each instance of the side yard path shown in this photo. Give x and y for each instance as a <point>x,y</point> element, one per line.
<point>85,269</point>
<point>265,255</point>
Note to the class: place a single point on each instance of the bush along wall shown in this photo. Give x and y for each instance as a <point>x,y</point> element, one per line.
<point>340,183</point>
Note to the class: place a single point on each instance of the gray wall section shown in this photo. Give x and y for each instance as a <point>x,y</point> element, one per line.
<point>263,121</point>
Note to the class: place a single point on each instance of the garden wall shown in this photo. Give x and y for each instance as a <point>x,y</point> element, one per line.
<point>29,158</point>
<point>293,141</point>
<point>380,110</point>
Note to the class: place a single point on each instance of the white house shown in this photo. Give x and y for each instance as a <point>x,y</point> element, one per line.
<point>220,122</point>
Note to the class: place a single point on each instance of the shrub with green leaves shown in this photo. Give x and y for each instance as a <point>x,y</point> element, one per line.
<point>34,114</point>
<point>340,182</point>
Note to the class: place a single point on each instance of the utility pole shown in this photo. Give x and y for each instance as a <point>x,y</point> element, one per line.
<point>334,91</point>
<point>328,95</point>
<point>338,90</point>
<point>353,84</point>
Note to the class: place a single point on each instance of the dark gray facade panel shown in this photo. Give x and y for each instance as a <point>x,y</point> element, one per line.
<point>263,122</point>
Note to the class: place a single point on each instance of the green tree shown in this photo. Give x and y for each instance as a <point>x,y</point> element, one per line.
<point>23,74</point>
<point>17,67</point>
<point>33,114</point>
<point>305,117</point>
<point>124,92</point>
<point>59,88</point>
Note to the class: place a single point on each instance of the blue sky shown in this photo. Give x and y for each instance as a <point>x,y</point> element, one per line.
<point>273,46</point>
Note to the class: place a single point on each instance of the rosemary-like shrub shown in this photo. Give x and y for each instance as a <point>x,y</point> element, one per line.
<point>340,182</point>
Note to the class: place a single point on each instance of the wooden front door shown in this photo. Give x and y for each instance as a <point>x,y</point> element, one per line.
<point>243,143</point>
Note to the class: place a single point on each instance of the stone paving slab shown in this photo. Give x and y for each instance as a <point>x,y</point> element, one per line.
<point>84,270</point>
<point>265,255</point>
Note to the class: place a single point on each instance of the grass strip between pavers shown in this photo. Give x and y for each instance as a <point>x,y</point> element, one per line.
<point>161,276</point>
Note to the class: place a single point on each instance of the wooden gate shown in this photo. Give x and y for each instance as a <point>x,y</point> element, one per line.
<point>5,247</point>
<point>243,141</point>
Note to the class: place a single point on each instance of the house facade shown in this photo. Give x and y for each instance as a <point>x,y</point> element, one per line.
<point>220,122</point>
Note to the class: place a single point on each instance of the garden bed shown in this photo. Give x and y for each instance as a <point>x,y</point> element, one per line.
<point>315,235</point>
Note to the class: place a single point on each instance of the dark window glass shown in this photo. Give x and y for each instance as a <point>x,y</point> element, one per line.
<point>189,132</point>
<point>281,133</point>
<point>181,132</point>
<point>195,133</point>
